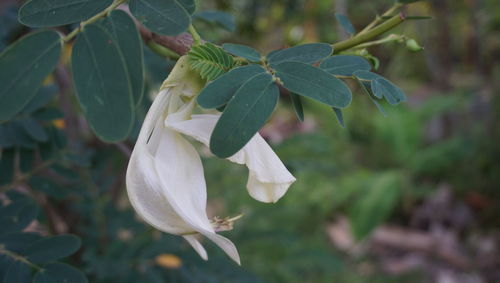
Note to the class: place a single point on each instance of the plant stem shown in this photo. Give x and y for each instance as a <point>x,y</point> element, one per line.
<point>162,50</point>
<point>389,38</point>
<point>379,19</point>
<point>95,18</point>
<point>20,258</point>
<point>361,38</point>
<point>195,35</point>
<point>30,174</point>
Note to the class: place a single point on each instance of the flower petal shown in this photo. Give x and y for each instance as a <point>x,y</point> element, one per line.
<point>193,241</point>
<point>181,174</point>
<point>165,180</point>
<point>143,186</point>
<point>268,179</point>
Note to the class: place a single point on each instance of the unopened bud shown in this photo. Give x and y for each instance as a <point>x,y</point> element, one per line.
<point>413,45</point>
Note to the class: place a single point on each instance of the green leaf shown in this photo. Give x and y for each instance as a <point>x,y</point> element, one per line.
<point>244,51</point>
<point>34,129</point>
<point>220,91</point>
<point>313,82</point>
<point>366,86</point>
<point>43,13</point>
<point>381,87</point>
<point>297,106</point>
<point>19,135</point>
<point>53,248</point>
<point>244,115</point>
<point>48,114</point>
<point>18,272</point>
<point>44,95</point>
<point>391,92</point>
<point>189,5</point>
<point>7,165</point>
<point>23,66</point>
<point>223,19</point>
<point>8,23</point>
<point>345,23</point>
<point>339,115</point>
<point>101,81</point>
<point>48,187</point>
<point>26,158</point>
<point>305,53</point>
<point>123,29</point>
<point>59,273</point>
<point>375,204</point>
<point>18,241</point>
<point>210,61</point>
<point>345,65</point>
<point>17,215</point>
<point>166,17</point>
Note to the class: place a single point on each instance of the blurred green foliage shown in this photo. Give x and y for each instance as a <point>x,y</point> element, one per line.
<point>375,171</point>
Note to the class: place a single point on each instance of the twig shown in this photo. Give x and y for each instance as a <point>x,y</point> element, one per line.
<point>361,38</point>
<point>179,44</point>
<point>95,18</point>
<point>379,19</point>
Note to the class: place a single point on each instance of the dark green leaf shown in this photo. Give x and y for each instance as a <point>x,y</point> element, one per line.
<point>366,86</point>
<point>220,91</point>
<point>65,172</point>
<point>18,272</point>
<point>48,114</point>
<point>381,87</point>
<point>102,85</point>
<point>26,158</point>
<point>244,51</point>
<point>339,115</point>
<point>18,241</point>
<point>166,17</point>
<point>297,106</point>
<point>313,82</point>
<point>34,129</point>
<point>17,215</point>
<point>6,135</point>
<point>391,92</point>
<point>305,53</point>
<point>43,13</point>
<point>59,273</point>
<point>8,23</point>
<point>345,65</point>
<point>41,98</point>
<point>210,61</point>
<point>345,23</point>
<point>23,66</point>
<point>189,5</point>
<point>223,19</point>
<point>51,249</point>
<point>20,136</point>
<point>379,106</point>
<point>48,187</point>
<point>123,29</point>
<point>7,165</point>
<point>244,115</point>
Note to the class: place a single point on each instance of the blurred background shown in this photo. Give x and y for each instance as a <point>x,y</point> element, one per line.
<point>413,196</point>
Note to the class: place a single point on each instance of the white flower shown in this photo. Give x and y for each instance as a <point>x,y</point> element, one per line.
<point>165,180</point>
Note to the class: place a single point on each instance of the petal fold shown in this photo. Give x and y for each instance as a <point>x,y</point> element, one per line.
<point>165,179</point>
<point>268,178</point>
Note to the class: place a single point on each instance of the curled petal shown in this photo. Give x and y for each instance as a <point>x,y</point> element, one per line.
<point>165,180</point>
<point>268,178</point>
